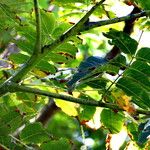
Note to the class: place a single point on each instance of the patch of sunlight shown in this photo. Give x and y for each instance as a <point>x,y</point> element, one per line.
<point>132,146</point>
<point>95,123</point>
<point>89,142</point>
<point>118,139</point>
<point>120,9</point>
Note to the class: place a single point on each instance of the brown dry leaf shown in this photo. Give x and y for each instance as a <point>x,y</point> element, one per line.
<point>124,101</point>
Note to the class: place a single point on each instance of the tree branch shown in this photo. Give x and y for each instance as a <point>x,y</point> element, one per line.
<point>91,25</point>
<point>14,87</point>
<point>37,48</point>
<point>47,111</point>
<point>36,51</point>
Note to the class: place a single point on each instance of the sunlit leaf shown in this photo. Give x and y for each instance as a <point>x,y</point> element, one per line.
<point>25,46</point>
<point>56,57</point>
<point>70,1</point>
<point>48,22</point>
<point>95,78</point>
<point>112,120</point>
<point>39,73</point>
<point>124,101</point>
<point>28,32</point>
<point>43,4</point>
<point>67,107</point>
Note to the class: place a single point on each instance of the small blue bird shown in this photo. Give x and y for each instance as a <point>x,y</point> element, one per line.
<point>84,69</point>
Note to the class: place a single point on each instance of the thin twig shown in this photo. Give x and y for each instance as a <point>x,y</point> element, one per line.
<point>19,141</point>
<point>3,147</point>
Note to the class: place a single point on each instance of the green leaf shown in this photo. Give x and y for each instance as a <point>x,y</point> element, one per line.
<point>47,22</point>
<point>141,67</point>
<point>108,68</point>
<point>46,66</point>
<point>6,15</point>
<point>119,61</point>
<point>67,48</point>
<point>87,112</point>
<point>123,41</point>
<point>112,120</point>
<point>135,82</point>
<point>144,4</point>
<point>19,58</point>
<point>4,128</point>
<point>143,54</point>
<point>34,133</point>
<point>28,99</point>
<point>24,5</point>
<point>25,46</point>
<point>61,144</point>
<point>69,1</point>
<point>133,130</point>
<point>7,141</point>
<point>58,58</point>
<point>97,83</point>
<point>44,4</point>
<point>28,32</point>
<point>139,74</point>
<point>5,38</point>
<point>132,88</point>
<point>11,120</point>
<point>60,29</point>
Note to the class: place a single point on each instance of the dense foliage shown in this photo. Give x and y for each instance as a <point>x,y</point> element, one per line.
<point>73,75</point>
